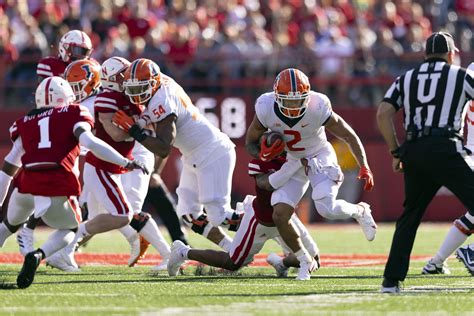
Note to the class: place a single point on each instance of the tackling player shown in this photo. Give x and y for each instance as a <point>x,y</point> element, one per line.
<point>207,153</point>
<point>47,184</point>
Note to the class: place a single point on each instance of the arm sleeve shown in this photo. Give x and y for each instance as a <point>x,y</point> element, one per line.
<point>15,154</point>
<point>280,177</point>
<point>101,149</point>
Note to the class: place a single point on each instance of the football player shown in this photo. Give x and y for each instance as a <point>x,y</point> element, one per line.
<point>208,154</point>
<point>73,45</point>
<point>302,116</point>
<point>84,78</point>
<point>47,184</point>
<point>256,228</point>
<point>135,185</point>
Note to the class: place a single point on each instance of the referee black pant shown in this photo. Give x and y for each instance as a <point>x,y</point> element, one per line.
<point>429,163</point>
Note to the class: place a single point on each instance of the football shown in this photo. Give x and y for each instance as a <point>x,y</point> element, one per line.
<point>272,137</point>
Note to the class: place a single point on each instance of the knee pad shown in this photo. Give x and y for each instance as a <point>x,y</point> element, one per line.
<point>198,225</point>
<point>139,221</point>
<point>464,225</point>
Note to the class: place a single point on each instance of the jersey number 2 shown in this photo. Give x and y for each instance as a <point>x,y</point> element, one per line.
<point>44,133</point>
<point>296,138</point>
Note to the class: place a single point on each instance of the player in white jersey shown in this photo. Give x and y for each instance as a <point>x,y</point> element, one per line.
<point>457,234</point>
<point>301,116</point>
<point>208,155</point>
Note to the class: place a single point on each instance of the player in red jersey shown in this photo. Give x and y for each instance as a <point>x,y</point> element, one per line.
<point>130,185</point>
<point>46,146</point>
<point>255,229</point>
<point>74,45</point>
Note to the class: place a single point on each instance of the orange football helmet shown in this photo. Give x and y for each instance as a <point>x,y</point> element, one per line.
<point>84,77</point>
<point>291,89</point>
<point>142,80</point>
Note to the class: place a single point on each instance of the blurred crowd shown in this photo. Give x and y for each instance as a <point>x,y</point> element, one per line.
<point>237,46</point>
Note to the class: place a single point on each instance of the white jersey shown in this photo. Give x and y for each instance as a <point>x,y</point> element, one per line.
<point>196,137</point>
<point>89,104</point>
<point>304,136</point>
<point>470,119</point>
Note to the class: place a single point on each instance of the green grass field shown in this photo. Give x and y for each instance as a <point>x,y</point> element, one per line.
<point>119,290</point>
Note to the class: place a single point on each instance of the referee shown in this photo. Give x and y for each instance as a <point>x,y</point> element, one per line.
<point>433,97</point>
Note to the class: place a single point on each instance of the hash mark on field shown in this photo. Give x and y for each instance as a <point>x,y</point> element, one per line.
<point>327,260</point>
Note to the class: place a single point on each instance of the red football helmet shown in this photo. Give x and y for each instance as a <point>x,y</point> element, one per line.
<point>291,89</point>
<point>84,77</point>
<point>142,80</point>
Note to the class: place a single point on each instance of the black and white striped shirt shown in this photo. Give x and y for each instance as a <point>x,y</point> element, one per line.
<point>433,95</point>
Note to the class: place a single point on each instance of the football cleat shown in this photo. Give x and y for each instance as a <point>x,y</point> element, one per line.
<point>433,268</point>
<point>28,270</point>
<point>465,254</point>
<point>176,257</point>
<point>25,240</point>
<point>277,262</point>
<point>138,250</point>
<point>390,286</point>
<point>366,221</point>
<point>304,272</point>
<point>161,267</point>
<point>62,261</point>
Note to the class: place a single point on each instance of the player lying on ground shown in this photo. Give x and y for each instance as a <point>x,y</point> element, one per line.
<point>255,229</point>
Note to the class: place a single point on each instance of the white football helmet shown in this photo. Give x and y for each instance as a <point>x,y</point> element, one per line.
<point>112,74</point>
<point>74,45</point>
<point>52,92</point>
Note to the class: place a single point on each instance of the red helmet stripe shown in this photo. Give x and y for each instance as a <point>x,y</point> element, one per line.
<point>46,95</point>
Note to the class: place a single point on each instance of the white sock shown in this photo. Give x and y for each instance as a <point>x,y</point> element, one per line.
<point>27,231</point>
<point>129,233</point>
<point>56,241</point>
<point>4,233</point>
<point>184,253</point>
<point>81,233</point>
<point>152,234</point>
<point>303,256</point>
<point>226,243</point>
<point>454,239</point>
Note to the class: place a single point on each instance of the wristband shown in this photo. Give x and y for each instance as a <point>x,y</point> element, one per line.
<point>137,133</point>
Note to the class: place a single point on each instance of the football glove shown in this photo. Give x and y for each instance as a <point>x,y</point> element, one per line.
<point>136,164</point>
<point>268,153</point>
<point>123,121</point>
<point>366,175</point>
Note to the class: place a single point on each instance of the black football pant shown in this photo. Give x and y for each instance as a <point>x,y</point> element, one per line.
<point>429,163</point>
<point>164,204</point>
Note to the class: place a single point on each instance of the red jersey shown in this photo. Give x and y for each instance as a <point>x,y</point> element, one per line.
<point>262,202</point>
<point>50,66</point>
<point>51,150</point>
<point>109,101</point>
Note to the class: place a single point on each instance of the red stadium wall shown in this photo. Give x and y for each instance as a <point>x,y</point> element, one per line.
<point>233,115</point>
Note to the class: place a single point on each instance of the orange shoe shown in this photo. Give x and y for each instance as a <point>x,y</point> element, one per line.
<point>136,256</point>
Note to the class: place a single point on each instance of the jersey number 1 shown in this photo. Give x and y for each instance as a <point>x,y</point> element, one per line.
<point>44,133</point>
